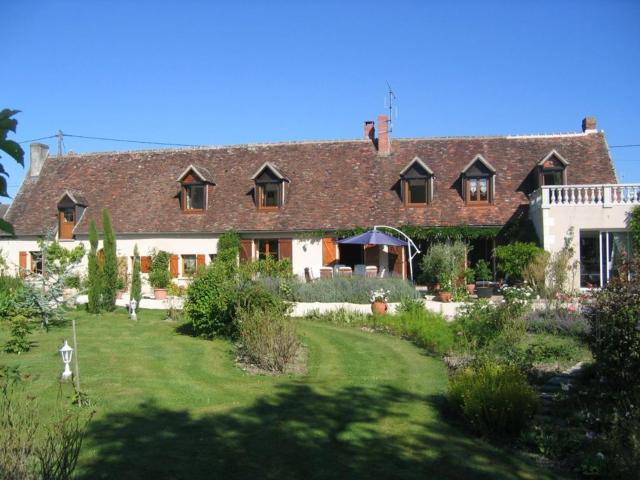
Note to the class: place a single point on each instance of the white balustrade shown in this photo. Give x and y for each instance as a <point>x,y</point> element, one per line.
<point>585,195</point>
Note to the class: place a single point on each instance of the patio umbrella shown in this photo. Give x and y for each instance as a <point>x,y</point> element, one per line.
<point>373,237</point>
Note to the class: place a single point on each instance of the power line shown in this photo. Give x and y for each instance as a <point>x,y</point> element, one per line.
<point>625,146</point>
<point>36,139</point>
<point>129,141</point>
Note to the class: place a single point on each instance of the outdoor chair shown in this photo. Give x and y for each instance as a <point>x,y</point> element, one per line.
<point>371,271</point>
<point>326,272</point>
<point>360,270</point>
<point>309,275</point>
<point>345,271</point>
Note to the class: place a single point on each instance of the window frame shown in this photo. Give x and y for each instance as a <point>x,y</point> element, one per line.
<point>35,257</point>
<point>478,201</point>
<point>262,256</point>
<point>185,196</point>
<point>408,200</point>
<point>183,265</point>
<point>262,195</point>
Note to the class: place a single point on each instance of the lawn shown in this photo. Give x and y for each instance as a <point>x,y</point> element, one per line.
<point>171,406</point>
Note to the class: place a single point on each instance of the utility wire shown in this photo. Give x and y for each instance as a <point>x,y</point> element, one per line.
<point>36,139</point>
<point>128,141</point>
<point>625,146</point>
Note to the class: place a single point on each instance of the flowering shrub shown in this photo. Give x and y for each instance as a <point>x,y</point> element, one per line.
<point>518,299</point>
<point>379,295</point>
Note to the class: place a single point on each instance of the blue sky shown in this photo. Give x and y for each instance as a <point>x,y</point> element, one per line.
<point>240,72</point>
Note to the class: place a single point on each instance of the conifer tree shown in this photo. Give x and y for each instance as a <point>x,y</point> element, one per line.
<point>110,267</point>
<point>95,271</point>
<point>136,285</point>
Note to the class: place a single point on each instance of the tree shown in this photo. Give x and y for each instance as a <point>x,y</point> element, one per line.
<point>110,267</point>
<point>11,148</point>
<point>95,271</point>
<point>136,285</point>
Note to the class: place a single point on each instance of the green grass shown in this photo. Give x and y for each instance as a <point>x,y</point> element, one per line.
<point>170,406</point>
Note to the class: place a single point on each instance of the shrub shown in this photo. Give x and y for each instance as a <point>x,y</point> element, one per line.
<point>495,399</point>
<point>94,303</point>
<point>614,338</point>
<point>426,329</point>
<point>73,281</point>
<point>268,338</point>
<point>159,275</point>
<point>20,328</point>
<point>352,290</point>
<point>444,263</point>
<point>535,272</point>
<point>110,267</point>
<point>136,281</point>
<point>482,270</point>
<point>561,321</point>
<point>477,323</point>
<point>228,246</point>
<point>634,228</point>
<point>340,316</point>
<point>514,258</point>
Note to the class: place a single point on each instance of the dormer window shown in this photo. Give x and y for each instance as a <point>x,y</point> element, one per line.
<point>70,208</point>
<point>478,182</point>
<point>193,189</point>
<point>270,187</point>
<point>416,184</point>
<point>552,170</point>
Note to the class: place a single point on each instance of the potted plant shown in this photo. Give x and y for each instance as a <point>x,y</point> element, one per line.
<point>159,276</point>
<point>484,287</point>
<point>379,301</point>
<point>120,286</point>
<point>470,280</point>
<point>445,279</point>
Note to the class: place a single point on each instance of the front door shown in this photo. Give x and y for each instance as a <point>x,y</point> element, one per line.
<point>66,223</point>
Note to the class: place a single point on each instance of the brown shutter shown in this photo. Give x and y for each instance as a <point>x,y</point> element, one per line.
<point>173,266</point>
<point>396,261</point>
<point>329,251</point>
<point>200,260</point>
<point>371,255</point>
<point>145,264</point>
<point>245,251</point>
<point>285,248</point>
<point>23,264</point>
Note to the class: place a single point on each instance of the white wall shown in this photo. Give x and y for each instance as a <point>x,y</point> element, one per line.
<point>306,253</point>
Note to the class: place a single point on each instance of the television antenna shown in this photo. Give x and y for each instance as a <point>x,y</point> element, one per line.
<point>390,103</point>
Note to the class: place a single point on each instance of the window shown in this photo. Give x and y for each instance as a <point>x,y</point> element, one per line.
<point>552,170</point>
<point>416,191</point>
<point>602,254</point>
<point>36,262</point>
<point>417,183</point>
<point>194,196</point>
<point>268,195</point>
<point>268,248</point>
<point>477,190</point>
<point>66,222</point>
<point>189,265</point>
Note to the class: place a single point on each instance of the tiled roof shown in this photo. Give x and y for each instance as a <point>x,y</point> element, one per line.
<point>333,184</point>
<point>3,209</point>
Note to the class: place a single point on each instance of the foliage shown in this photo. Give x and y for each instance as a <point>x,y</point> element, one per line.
<point>535,272</point>
<point>560,269</point>
<point>136,282</point>
<point>229,246</point>
<point>175,290</point>
<point>514,258</point>
<point>615,331</point>
<point>159,276</point>
<point>268,337</point>
<point>20,328</point>
<point>444,263</point>
<point>469,276</point>
<point>73,281</point>
<point>495,399</point>
<point>11,148</point>
<point>482,270</point>
<point>211,299</point>
<point>440,234</point>
<point>30,449</point>
<point>633,223</point>
<point>269,267</point>
<point>379,295</point>
<point>3,264</point>
<point>356,289</point>
<point>477,323</point>
<point>518,299</point>
<point>110,267</point>
<point>95,272</point>
<point>559,322</point>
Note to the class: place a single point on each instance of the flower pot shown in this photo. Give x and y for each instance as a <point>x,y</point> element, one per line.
<point>379,308</point>
<point>445,296</point>
<point>471,288</point>
<point>484,289</point>
<point>160,293</point>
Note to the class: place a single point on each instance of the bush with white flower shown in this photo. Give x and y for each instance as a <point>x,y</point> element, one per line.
<point>379,295</point>
<point>519,298</point>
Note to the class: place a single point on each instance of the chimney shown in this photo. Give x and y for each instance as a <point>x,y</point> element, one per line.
<point>39,153</point>
<point>589,125</point>
<point>369,130</point>
<point>384,142</point>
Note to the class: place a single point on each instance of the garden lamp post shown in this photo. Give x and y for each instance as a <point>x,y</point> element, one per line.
<point>66,352</point>
<point>132,309</point>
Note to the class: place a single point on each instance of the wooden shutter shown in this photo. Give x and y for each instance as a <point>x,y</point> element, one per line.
<point>173,266</point>
<point>329,251</point>
<point>145,264</point>
<point>397,261</point>
<point>245,250</point>
<point>23,264</point>
<point>200,261</point>
<point>285,250</point>
<point>371,255</point>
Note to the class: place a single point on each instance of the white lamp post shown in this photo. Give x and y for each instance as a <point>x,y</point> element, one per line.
<point>132,309</point>
<point>66,352</point>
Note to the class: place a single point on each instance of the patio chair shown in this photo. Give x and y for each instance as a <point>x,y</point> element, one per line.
<point>360,270</point>
<point>382,273</point>
<point>371,271</point>
<point>345,271</point>
<point>326,272</point>
<point>308,275</point>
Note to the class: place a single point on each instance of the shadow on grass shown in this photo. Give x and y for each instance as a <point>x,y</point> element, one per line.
<point>298,433</point>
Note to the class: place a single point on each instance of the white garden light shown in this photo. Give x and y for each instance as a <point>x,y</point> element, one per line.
<point>66,352</point>
<point>132,309</point>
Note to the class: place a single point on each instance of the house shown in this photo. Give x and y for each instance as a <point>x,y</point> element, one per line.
<point>291,199</point>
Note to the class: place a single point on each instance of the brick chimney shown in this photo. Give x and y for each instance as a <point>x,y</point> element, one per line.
<point>589,125</point>
<point>39,153</point>
<point>384,142</point>
<point>369,130</point>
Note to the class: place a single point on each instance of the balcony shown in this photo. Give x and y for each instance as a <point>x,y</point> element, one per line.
<point>586,195</point>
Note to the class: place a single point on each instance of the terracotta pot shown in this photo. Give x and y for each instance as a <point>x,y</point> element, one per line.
<point>379,308</point>
<point>445,296</point>
<point>160,293</point>
<point>471,288</point>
